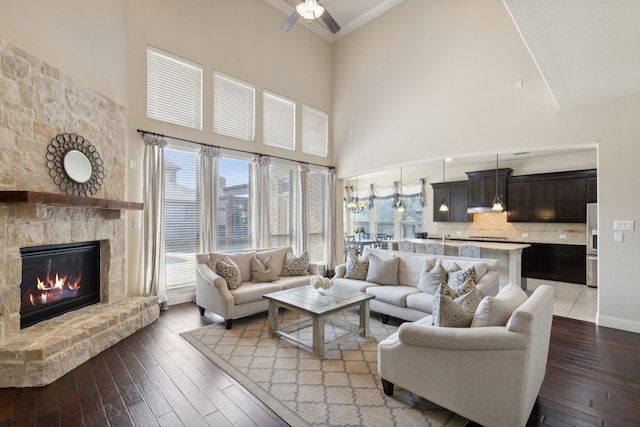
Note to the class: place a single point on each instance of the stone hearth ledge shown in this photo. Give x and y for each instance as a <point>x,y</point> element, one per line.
<point>48,350</point>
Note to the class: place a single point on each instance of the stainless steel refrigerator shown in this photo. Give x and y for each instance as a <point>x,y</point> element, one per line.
<point>592,244</point>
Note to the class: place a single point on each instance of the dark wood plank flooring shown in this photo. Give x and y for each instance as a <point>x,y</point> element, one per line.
<point>154,378</point>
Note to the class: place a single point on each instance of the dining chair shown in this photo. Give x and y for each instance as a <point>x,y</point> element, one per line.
<point>406,246</point>
<point>469,251</point>
<point>434,248</point>
<point>350,246</point>
<point>381,241</point>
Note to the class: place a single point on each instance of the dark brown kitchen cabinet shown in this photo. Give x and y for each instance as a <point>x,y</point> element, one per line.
<point>561,263</point>
<point>482,187</point>
<point>551,197</point>
<point>456,194</point>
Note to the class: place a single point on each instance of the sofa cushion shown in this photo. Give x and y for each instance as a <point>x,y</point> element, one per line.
<point>352,284</point>
<point>451,309</point>
<point>241,259</point>
<point>229,271</point>
<point>383,272</point>
<point>278,255</point>
<point>296,266</point>
<point>430,280</point>
<point>262,271</point>
<point>496,311</point>
<point>396,295</point>
<point>411,265</point>
<point>249,292</point>
<point>420,301</point>
<point>356,268</point>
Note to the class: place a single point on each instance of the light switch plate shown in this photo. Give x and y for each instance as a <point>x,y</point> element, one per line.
<point>617,237</point>
<point>626,225</point>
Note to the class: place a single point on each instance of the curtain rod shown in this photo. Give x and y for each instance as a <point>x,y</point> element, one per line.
<point>140,131</point>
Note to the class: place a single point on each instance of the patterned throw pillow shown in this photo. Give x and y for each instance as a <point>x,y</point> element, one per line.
<point>356,269</point>
<point>457,279</point>
<point>262,271</point>
<point>229,271</point>
<point>451,309</point>
<point>296,266</point>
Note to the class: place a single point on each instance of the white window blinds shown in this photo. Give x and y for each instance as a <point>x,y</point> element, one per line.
<point>314,131</point>
<point>233,107</point>
<point>181,216</point>
<point>317,196</point>
<point>174,89</point>
<point>279,121</point>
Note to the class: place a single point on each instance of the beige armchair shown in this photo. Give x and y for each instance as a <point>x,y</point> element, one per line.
<point>490,375</point>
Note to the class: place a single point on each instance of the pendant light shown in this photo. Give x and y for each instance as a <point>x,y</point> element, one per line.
<point>498,204</point>
<point>355,205</point>
<point>399,205</point>
<point>443,203</point>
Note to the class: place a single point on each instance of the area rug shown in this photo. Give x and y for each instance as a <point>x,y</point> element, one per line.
<point>343,389</point>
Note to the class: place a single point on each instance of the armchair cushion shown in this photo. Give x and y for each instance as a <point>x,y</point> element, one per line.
<point>496,311</point>
<point>262,271</point>
<point>228,270</point>
<point>383,272</point>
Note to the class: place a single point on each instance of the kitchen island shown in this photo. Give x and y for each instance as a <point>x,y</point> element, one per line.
<point>508,254</point>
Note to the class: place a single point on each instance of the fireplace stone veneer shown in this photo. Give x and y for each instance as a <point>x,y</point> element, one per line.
<point>40,354</point>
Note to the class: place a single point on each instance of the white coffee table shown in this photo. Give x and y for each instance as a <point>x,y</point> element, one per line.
<point>306,300</point>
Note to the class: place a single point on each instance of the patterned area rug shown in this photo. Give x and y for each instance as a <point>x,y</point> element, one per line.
<point>342,389</point>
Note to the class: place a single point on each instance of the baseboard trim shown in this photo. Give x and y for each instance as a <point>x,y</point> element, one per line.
<point>618,323</point>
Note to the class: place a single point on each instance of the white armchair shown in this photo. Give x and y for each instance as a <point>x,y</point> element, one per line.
<point>490,375</point>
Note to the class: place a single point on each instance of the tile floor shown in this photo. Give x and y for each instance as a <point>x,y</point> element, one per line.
<point>570,299</point>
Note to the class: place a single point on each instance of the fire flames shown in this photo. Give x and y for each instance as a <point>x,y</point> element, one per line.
<point>52,289</point>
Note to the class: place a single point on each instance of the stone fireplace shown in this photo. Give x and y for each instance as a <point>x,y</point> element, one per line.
<point>39,102</point>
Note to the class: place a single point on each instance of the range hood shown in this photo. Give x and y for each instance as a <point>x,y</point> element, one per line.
<point>482,189</point>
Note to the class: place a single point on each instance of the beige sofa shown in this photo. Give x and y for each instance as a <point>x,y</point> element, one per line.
<point>212,293</point>
<point>405,301</point>
<point>490,375</point>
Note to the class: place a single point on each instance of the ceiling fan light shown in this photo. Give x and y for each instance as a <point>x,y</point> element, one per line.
<point>310,9</point>
<point>318,11</point>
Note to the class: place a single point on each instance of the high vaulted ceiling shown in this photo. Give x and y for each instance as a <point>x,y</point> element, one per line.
<point>588,51</point>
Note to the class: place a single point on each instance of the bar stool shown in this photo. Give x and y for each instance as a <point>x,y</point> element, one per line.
<point>434,248</point>
<point>469,251</point>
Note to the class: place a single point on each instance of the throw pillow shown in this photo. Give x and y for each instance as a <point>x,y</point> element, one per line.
<point>383,272</point>
<point>296,266</point>
<point>447,312</point>
<point>470,297</point>
<point>229,271</point>
<point>496,311</point>
<point>262,271</point>
<point>430,280</point>
<point>457,279</point>
<point>356,269</point>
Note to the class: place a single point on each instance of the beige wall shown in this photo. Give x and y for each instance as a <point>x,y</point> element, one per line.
<point>430,79</point>
<point>427,79</point>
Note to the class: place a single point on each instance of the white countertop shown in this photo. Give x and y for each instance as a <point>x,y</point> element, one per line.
<point>498,246</point>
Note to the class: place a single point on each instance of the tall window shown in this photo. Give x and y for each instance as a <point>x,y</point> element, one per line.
<point>315,130</point>
<point>174,89</point>
<point>363,218</point>
<point>411,218</point>
<point>279,121</point>
<point>281,204</point>
<point>385,216</point>
<point>318,214</point>
<point>234,222</point>
<point>182,216</point>
<point>233,107</point>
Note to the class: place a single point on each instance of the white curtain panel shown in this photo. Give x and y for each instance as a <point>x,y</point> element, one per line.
<point>152,245</point>
<point>208,198</point>
<point>331,220</point>
<point>302,209</point>
<point>260,207</point>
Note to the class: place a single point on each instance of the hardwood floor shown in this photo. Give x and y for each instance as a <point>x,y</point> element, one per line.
<point>154,378</point>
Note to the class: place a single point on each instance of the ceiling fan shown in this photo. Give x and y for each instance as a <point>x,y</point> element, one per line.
<point>311,10</point>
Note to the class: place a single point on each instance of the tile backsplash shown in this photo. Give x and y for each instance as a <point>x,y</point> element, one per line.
<point>496,225</point>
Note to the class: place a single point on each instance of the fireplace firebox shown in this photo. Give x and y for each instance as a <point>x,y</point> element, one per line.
<point>57,279</point>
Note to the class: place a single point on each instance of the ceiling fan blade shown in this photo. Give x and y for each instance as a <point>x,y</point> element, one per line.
<point>291,21</point>
<point>331,23</point>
